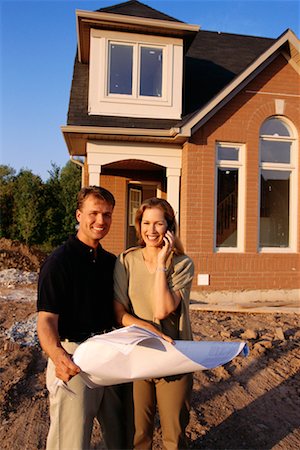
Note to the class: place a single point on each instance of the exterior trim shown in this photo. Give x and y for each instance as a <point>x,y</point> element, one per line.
<point>88,19</point>
<point>170,157</point>
<point>125,131</point>
<point>76,137</point>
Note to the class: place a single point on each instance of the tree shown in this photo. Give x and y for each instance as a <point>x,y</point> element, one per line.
<point>37,212</point>
<point>70,181</point>
<point>28,207</point>
<point>54,210</point>
<point>7,178</point>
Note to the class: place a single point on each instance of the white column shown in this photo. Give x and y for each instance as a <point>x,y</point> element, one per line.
<point>173,187</point>
<point>94,174</point>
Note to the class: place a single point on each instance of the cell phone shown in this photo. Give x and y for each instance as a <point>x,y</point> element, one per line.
<point>171,228</point>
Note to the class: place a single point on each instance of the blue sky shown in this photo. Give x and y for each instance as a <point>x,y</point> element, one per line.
<point>38,45</point>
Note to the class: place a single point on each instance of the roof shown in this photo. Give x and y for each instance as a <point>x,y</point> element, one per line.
<point>137,9</point>
<point>213,65</point>
<point>287,45</point>
<point>211,62</point>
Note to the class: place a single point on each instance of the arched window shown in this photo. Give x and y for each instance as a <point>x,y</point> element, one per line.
<point>278,188</point>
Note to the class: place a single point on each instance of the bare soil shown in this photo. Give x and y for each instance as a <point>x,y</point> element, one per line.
<point>250,403</point>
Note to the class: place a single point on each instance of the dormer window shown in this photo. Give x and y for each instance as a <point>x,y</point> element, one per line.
<point>135,75</point>
<point>120,69</point>
<point>135,70</point>
<point>151,71</point>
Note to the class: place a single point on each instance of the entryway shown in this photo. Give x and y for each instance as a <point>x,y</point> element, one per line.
<point>137,192</point>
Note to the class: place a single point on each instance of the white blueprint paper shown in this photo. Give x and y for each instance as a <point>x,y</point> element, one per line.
<point>133,353</point>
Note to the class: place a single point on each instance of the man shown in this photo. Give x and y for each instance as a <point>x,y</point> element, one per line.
<point>75,301</point>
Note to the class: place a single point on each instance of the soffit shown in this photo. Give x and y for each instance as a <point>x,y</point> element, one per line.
<point>117,22</point>
<point>76,138</point>
<point>294,54</point>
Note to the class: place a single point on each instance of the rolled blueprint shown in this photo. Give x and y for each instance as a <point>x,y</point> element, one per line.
<point>134,353</point>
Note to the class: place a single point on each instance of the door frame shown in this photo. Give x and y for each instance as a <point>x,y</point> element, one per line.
<point>138,185</point>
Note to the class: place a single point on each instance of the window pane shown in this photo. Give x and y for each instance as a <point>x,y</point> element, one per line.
<point>151,72</point>
<point>228,153</point>
<point>135,199</point>
<point>227,201</point>
<point>274,208</point>
<point>275,127</point>
<point>120,73</point>
<point>275,151</point>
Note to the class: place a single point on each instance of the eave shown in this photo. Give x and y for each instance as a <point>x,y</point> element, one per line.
<point>76,137</point>
<point>287,44</point>
<point>85,20</point>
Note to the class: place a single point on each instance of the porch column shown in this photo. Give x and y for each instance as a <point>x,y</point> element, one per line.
<point>173,186</point>
<point>94,174</point>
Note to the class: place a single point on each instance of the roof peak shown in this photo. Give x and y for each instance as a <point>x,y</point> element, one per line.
<point>137,9</point>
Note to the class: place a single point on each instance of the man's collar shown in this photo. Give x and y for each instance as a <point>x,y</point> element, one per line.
<point>84,248</point>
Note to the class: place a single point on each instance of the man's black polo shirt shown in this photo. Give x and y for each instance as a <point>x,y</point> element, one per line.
<point>78,286</point>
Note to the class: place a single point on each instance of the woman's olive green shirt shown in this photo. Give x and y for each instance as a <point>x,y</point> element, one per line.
<point>133,285</point>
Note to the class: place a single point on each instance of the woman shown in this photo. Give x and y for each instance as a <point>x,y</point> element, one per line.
<point>152,288</point>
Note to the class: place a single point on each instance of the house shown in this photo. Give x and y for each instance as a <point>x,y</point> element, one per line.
<point>210,121</point>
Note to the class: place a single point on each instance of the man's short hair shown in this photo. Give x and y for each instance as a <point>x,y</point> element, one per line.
<point>98,192</point>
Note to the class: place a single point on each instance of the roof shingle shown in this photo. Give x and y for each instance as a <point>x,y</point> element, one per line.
<point>137,9</point>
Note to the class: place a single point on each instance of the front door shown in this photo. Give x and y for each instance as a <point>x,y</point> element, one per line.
<point>137,193</point>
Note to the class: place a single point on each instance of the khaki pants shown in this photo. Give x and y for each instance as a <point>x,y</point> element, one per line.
<point>71,418</point>
<point>172,395</point>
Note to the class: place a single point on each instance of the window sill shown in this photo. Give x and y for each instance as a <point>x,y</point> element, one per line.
<point>228,250</point>
<point>276,250</point>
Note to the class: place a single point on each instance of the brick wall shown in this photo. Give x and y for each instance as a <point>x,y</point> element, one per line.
<point>115,240</point>
<point>238,122</point>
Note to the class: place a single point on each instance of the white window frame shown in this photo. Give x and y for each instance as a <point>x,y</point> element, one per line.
<point>131,212</point>
<point>101,102</point>
<point>292,168</point>
<point>240,165</point>
<point>135,96</point>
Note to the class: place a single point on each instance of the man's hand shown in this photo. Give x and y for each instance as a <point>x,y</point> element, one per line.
<point>47,327</point>
<point>65,369</point>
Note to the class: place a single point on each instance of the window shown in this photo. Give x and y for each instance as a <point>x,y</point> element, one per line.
<point>277,186</point>
<point>129,62</point>
<point>135,200</point>
<point>120,79</point>
<point>135,75</point>
<point>274,208</point>
<point>229,197</point>
<point>151,72</point>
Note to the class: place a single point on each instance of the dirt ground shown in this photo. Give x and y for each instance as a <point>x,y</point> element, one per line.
<point>250,403</point>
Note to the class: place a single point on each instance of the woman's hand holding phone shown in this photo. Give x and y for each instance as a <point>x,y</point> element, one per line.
<point>168,244</point>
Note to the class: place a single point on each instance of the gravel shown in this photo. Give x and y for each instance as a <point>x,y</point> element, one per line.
<point>13,277</point>
<point>23,333</point>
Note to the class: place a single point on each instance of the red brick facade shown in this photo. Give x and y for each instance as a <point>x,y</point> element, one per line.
<point>239,121</point>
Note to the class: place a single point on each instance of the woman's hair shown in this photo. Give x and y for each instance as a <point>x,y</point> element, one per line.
<point>169,216</point>
<point>96,191</point>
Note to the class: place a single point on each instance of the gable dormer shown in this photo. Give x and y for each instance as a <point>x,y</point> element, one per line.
<point>135,61</point>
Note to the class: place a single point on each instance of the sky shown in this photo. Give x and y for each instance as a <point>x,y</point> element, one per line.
<point>38,46</point>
